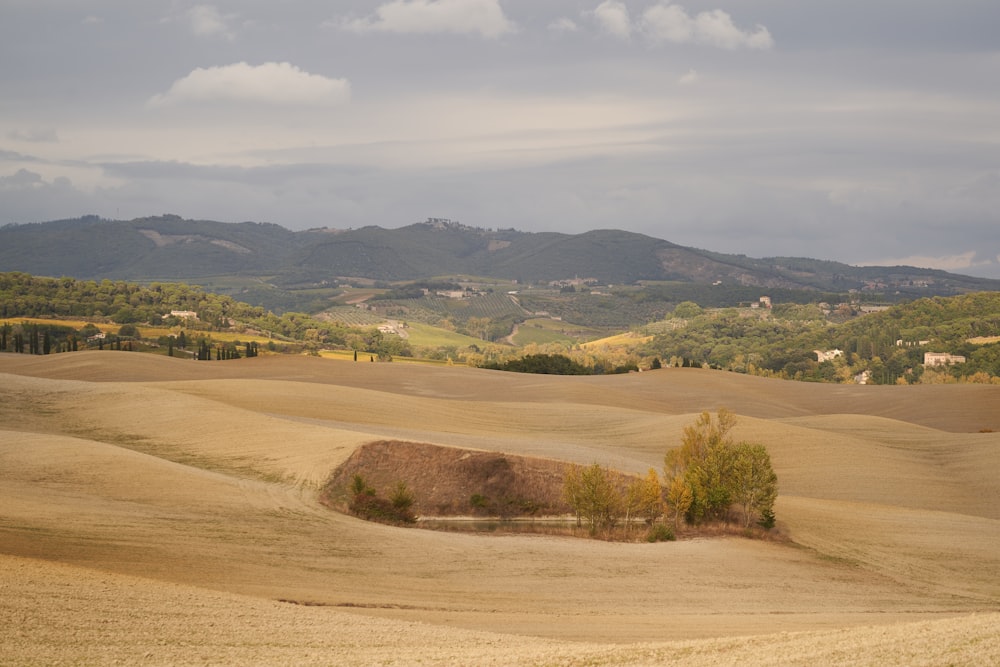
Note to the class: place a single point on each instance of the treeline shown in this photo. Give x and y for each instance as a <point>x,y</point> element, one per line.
<point>34,338</point>
<point>554,364</point>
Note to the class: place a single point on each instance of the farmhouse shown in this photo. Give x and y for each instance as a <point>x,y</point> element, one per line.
<point>827,355</point>
<point>942,359</point>
<point>183,314</point>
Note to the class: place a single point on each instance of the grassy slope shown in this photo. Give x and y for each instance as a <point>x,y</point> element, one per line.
<point>204,475</point>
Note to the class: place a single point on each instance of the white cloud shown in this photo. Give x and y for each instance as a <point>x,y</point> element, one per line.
<point>93,20</point>
<point>206,21</point>
<point>563,25</point>
<point>666,22</point>
<point>612,16</point>
<point>484,17</point>
<point>688,78</point>
<point>270,83</point>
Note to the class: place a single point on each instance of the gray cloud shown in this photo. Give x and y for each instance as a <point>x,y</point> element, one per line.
<point>34,135</point>
<point>861,132</point>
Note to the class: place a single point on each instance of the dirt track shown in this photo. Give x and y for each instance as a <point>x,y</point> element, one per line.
<point>155,510</point>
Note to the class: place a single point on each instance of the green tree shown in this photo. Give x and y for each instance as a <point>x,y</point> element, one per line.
<point>402,500</point>
<point>687,310</point>
<point>708,473</point>
<point>754,482</point>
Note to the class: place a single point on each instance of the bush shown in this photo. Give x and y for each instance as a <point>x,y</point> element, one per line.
<point>367,505</point>
<point>660,532</point>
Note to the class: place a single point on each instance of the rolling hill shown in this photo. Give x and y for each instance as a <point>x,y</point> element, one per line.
<point>161,511</point>
<point>170,248</point>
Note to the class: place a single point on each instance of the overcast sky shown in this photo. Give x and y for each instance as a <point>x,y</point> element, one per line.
<point>860,131</point>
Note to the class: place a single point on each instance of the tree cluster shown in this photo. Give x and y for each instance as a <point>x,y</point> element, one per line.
<point>709,473</point>
<point>705,478</point>
<point>555,364</point>
<point>602,497</point>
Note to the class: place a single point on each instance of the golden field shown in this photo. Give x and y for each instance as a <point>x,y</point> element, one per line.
<point>156,511</point>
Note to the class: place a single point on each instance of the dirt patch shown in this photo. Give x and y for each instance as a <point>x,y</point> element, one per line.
<point>448,481</point>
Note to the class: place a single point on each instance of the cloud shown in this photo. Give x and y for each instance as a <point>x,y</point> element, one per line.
<point>563,25</point>
<point>206,21</point>
<point>20,180</point>
<point>667,22</point>
<point>34,135</point>
<point>484,17</point>
<point>612,16</point>
<point>688,78</point>
<point>270,83</point>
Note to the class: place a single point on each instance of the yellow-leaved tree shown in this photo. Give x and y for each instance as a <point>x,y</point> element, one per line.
<point>709,473</point>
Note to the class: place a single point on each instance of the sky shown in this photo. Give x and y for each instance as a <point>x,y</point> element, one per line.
<point>866,132</point>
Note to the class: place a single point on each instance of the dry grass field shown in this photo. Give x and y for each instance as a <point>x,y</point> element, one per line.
<point>161,511</point>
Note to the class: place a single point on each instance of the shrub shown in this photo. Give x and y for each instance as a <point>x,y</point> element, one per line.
<point>660,532</point>
<point>367,505</point>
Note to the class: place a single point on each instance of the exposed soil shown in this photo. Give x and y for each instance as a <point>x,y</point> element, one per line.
<point>451,482</point>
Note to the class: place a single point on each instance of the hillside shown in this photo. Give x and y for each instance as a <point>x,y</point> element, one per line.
<point>163,511</point>
<point>495,329</point>
<point>267,257</point>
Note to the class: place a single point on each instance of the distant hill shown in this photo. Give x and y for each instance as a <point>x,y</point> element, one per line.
<point>171,248</point>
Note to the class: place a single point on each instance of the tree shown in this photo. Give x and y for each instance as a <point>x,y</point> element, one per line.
<point>651,497</point>
<point>708,473</point>
<point>128,331</point>
<point>594,496</point>
<point>687,310</point>
<point>754,483</point>
<point>698,439</point>
<point>678,499</point>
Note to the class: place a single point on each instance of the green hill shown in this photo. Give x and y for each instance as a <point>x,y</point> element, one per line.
<point>171,248</point>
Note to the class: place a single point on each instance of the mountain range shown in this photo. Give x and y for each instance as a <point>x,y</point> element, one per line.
<point>170,248</point>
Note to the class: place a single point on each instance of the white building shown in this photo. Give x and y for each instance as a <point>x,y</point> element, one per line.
<point>827,355</point>
<point>942,359</point>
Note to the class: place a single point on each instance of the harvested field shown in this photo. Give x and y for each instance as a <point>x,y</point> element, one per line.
<point>164,511</point>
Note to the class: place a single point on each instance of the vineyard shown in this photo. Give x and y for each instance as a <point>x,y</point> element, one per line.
<point>433,309</point>
<point>351,316</point>
<point>542,331</point>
